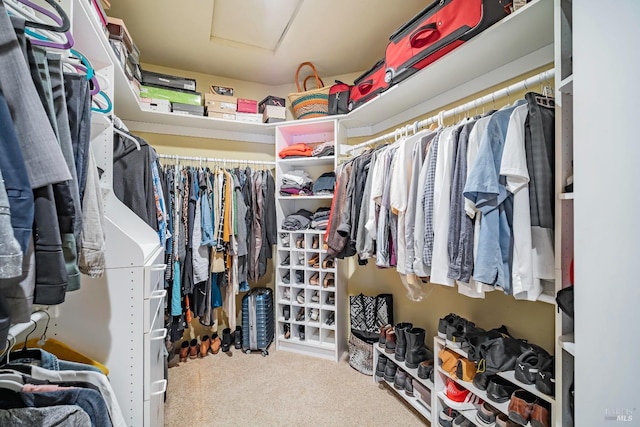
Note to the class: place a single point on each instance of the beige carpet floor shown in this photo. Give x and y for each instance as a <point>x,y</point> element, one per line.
<point>282,389</point>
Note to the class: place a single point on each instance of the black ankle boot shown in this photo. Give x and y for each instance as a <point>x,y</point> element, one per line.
<point>417,351</point>
<point>238,338</point>
<point>401,340</point>
<point>227,340</point>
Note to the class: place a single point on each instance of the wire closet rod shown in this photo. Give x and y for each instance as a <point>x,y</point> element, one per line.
<point>501,93</point>
<point>216,160</point>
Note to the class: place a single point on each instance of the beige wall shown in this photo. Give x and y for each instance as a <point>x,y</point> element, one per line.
<point>530,320</point>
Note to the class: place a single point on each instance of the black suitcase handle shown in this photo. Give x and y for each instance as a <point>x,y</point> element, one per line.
<point>420,36</point>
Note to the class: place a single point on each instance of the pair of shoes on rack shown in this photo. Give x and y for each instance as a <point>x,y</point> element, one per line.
<point>331,299</point>
<point>301,332</point>
<point>525,407</point>
<point>315,297</point>
<point>331,319</point>
<point>285,262</point>
<point>314,314</point>
<point>287,331</point>
<point>329,280</point>
<point>286,294</point>
<point>315,242</point>
<point>314,261</point>
<point>300,242</point>
<point>300,296</point>
<point>314,280</point>
<point>328,262</point>
<point>300,315</point>
<point>286,312</point>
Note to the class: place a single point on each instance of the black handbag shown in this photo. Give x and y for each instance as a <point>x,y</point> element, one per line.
<point>564,298</point>
<point>339,98</point>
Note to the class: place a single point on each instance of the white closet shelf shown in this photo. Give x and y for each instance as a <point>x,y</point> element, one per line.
<point>567,342</point>
<point>99,123</point>
<point>516,45</point>
<point>565,196</point>
<point>566,85</point>
<point>531,388</point>
<point>308,161</point>
<point>415,402</point>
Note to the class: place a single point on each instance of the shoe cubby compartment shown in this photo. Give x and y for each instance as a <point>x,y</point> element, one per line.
<point>312,298</point>
<point>283,254</point>
<point>284,240</point>
<point>283,275</point>
<point>328,337</point>
<point>328,319</point>
<point>313,260</point>
<point>283,294</point>
<point>298,277</point>
<point>312,335</point>
<point>328,263</point>
<point>328,299</point>
<point>282,312</point>
<point>298,241</point>
<point>313,317</point>
<point>328,280</point>
<point>282,329</point>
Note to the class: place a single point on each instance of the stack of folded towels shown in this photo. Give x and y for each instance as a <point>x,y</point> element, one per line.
<point>300,220</point>
<point>296,183</point>
<point>320,219</point>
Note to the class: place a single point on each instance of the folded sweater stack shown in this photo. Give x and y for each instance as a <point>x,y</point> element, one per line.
<point>324,149</point>
<point>320,219</point>
<point>296,183</point>
<point>296,150</point>
<point>300,220</point>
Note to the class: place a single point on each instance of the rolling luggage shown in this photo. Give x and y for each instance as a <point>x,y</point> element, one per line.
<point>368,85</point>
<point>437,30</point>
<point>257,320</point>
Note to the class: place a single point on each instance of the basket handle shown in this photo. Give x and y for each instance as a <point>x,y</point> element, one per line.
<point>319,83</point>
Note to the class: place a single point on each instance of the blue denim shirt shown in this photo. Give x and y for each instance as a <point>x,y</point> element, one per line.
<point>488,191</point>
<point>50,361</point>
<point>206,223</point>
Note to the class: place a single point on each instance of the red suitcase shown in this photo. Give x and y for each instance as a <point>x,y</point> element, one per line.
<point>436,31</point>
<point>368,85</point>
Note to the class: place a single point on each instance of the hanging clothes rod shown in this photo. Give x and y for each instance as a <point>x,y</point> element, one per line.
<point>501,93</point>
<point>20,328</point>
<point>216,160</point>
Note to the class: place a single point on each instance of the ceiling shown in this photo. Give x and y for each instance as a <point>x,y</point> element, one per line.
<point>263,41</point>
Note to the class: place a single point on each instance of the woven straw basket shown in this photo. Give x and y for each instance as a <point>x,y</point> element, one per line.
<point>310,103</point>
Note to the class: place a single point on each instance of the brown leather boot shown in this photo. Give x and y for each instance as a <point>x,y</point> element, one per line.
<point>390,341</point>
<point>205,344</point>
<point>184,351</point>
<point>216,342</point>
<point>193,349</point>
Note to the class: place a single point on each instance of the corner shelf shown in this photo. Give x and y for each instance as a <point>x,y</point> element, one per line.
<point>568,344</point>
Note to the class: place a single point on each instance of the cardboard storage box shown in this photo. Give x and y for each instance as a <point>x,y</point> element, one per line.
<point>172,95</point>
<point>193,110</point>
<point>217,115</point>
<point>118,31</point>
<point>155,105</point>
<point>150,78</point>
<point>271,100</point>
<point>249,117</point>
<point>274,114</point>
<point>222,90</point>
<point>247,106</point>
<point>220,103</point>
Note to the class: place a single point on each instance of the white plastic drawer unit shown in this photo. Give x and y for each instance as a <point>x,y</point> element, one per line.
<point>155,384</point>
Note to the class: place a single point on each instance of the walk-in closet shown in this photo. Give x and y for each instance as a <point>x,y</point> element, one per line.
<point>328,213</point>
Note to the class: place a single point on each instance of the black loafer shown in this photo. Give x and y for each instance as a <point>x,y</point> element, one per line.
<point>500,390</point>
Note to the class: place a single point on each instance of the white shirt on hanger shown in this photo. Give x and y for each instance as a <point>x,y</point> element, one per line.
<point>532,259</point>
<point>399,195</point>
<point>441,204</point>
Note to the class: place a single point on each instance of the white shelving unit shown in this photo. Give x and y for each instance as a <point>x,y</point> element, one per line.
<point>441,377</point>
<point>118,319</point>
<point>422,404</point>
<point>322,338</point>
<point>564,205</point>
